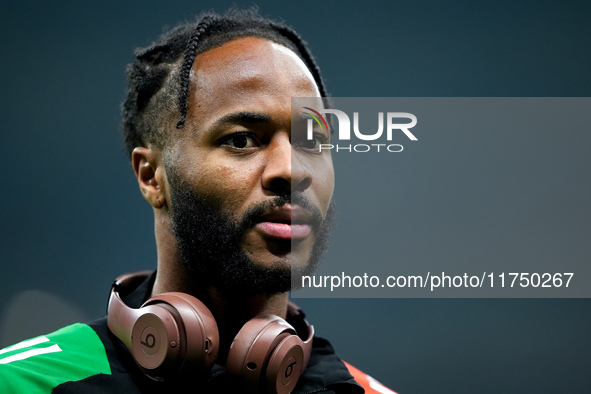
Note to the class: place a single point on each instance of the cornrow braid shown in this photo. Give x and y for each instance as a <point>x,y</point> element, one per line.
<point>188,61</point>
<point>155,91</point>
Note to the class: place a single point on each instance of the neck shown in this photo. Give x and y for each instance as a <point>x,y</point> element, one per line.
<point>231,311</point>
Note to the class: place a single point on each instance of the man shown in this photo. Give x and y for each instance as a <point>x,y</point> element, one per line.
<point>240,204</point>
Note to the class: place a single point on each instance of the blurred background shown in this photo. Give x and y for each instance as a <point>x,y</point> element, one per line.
<point>72,218</point>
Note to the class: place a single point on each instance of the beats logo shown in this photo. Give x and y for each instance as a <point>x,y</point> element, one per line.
<point>289,370</point>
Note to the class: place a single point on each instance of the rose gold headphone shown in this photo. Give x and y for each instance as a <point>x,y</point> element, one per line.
<point>175,333</point>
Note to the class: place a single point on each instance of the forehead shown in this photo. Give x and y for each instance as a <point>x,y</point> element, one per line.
<point>247,74</point>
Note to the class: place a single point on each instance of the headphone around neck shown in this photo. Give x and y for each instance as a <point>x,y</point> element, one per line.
<point>175,334</point>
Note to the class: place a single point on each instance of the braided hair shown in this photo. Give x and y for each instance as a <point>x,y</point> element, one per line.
<point>158,82</point>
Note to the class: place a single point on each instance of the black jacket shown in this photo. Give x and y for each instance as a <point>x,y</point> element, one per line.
<point>326,373</point>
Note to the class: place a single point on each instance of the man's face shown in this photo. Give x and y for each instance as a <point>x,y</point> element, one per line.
<point>234,157</point>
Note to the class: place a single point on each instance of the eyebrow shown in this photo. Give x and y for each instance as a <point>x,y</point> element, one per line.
<point>244,117</point>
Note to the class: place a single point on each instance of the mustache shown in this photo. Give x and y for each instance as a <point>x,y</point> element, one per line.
<point>253,214</point>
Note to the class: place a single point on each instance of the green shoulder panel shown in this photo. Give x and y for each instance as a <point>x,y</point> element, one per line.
<point>40,364</point>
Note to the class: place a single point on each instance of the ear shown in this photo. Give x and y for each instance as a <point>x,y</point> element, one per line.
<point>149,171</point>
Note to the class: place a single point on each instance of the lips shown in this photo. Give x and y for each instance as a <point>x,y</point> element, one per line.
<point>286,222</point>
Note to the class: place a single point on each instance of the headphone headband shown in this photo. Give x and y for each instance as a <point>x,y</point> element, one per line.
<point>120,317</point>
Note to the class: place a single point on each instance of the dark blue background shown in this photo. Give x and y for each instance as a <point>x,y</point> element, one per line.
<point>72,218</point>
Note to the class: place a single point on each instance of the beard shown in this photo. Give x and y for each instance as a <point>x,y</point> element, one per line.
<point>209,242</point>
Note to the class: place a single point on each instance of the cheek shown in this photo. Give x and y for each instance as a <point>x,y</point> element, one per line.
<point>325,182</point>
<point>231,187</point>
<point>327,192</point>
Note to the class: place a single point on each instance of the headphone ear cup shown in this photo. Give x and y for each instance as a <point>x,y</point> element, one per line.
<point>285,366</point>
<point>175,333</point>
<point>154,337</point>
<point>267,351</point>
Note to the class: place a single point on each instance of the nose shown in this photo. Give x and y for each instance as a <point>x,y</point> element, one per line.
<point>284,172</point>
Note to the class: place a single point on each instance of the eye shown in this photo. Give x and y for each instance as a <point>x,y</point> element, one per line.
<point>313,144</point>
<point>240,141</point>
